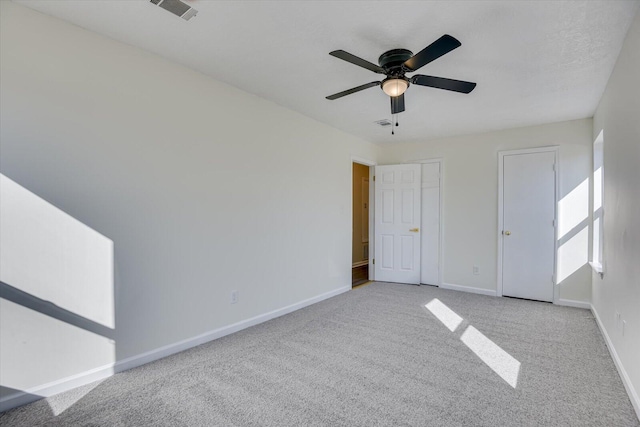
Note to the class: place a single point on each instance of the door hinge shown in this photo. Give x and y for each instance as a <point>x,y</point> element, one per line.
<point>374,261</point>
<point>374,178</point>
<point>553,222</point>
<point>554,167</point>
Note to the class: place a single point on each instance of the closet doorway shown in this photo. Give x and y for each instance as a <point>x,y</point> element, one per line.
<point>361,213</point>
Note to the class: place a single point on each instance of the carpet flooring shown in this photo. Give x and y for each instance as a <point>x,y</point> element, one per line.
<point>375,356</point>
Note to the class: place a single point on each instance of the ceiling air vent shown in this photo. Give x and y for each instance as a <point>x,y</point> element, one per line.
<point>177,7</point>
<point>383,122</point>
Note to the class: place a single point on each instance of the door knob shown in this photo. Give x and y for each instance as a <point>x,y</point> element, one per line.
<point>414,230</point>
<point>506,233</point>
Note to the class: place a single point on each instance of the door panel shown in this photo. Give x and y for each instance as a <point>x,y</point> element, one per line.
<point>408,199</point>
<point>387,252</point>
<point>397,213</point>
<point>528,237</point>
<point>407,244</point>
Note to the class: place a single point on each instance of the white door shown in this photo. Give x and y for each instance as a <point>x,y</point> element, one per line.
<point>397,220</point>
<point>528,234</point>
<point>430,230</point>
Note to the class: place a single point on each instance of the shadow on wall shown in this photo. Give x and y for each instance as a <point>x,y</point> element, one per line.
<point>57,302</point>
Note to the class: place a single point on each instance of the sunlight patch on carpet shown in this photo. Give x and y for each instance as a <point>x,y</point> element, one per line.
<point>63,401</point>
<point>444,314</point>
<point>501,362</point>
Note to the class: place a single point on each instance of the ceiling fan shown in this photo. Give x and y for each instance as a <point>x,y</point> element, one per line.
<point>396,63</point>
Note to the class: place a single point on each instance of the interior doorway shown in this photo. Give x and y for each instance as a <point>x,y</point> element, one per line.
<point>527,218</point>
<point>397,223</point>
<point>361,208</point>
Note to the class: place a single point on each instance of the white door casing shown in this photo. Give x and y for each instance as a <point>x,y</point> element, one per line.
<point>371,165</point>
<point>397,223</point>
<point>527,232</point>
<point>430,230</point>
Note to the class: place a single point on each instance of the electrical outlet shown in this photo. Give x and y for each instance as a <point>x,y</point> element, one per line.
<point>476,270</point>
<point>234,297</point>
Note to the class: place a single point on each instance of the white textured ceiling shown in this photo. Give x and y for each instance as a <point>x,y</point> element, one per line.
<point>534,61</point>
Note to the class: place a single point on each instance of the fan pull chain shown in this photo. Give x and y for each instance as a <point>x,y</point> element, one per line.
<point>396,119</point>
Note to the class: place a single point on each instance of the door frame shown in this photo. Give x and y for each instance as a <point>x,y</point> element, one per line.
<point>555,149</point>
<point>439,160</point>
<point>372,184</point>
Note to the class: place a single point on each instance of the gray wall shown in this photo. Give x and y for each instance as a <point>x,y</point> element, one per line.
<point>203,189</point>
<point>618,114</point>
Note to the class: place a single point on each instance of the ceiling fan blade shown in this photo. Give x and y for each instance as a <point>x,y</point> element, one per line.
<point>435,50</point>
<point>397,104</point>
<point>442,83</point>
<point>352,90</point>
<point>346,56</point>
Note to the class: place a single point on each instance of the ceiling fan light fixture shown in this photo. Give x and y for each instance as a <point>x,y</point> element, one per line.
<point>395,86</point>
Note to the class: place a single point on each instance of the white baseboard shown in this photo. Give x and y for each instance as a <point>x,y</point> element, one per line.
<point>470,289</point>
<point>573,303</point>
<point>27,396</point>
<point>170,349</point>
<point>20,398</point>
<point>633,395</point>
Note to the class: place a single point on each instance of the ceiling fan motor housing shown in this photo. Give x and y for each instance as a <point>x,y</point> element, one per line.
<point>392,61</point>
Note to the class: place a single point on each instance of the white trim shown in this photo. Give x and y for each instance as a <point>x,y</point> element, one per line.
<point>363,182</point>
<point>68,383</point>
<point>501,154</point>
<point>359,263</point>
<point>441,217</point>
<point>556,220</point>
<point>573,303</point>
<point>179,346</point>
<point>363,161</point>
<point>372,225</point>
<point>633,395</point>
<point>500,222</point>
<point>20,398</point>
<point>441,220</point>
<point>596,266</point>
<point>372,189</point>
<point>469,289</point>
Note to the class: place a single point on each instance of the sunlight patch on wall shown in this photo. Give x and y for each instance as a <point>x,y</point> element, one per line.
<point>596,241</point>
<point>447,316</point>
<point>53,256</point>
<point>57,316</point>
<point>501,362</point>
<point>37,349</point>
<point>573,208</point>
<point>573,254</point>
